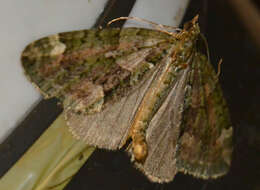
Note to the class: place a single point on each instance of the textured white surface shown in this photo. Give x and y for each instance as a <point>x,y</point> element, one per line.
<point>23,21</point>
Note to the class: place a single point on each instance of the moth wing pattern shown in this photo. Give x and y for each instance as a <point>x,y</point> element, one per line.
<point>205,144</point>
<point>113,122</point>
<point>163,133</point>
<point>83,68</point>
<point>57,62</point>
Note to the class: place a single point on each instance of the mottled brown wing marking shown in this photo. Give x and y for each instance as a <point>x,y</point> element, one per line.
<point>163,132</point>
<point>133,38</point>
<point>132,61</point>
<point>113,122</point>
<point>57,62</point>
<point>205,145</point>
<point>85,97</point>
<point>110,64</point>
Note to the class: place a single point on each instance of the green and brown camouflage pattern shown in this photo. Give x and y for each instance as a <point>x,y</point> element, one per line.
<point>152,88</point>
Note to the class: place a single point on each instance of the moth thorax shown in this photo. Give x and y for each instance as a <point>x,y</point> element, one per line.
<point>140,150</point>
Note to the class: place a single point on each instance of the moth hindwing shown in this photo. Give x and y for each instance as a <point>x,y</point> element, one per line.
<point>151,87</point>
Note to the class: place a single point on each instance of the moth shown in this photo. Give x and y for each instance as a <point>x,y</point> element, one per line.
<point>152,90</point>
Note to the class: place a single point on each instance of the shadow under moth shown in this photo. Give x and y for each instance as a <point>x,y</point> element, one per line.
<point>153,89</point>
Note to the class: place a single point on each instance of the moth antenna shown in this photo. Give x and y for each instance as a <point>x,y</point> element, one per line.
<point>159,27</point>
<point>145,21</point>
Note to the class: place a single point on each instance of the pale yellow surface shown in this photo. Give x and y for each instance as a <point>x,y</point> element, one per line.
<point>50,163</point>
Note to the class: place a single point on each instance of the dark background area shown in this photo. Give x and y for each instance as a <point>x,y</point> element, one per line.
<point>229,39</point>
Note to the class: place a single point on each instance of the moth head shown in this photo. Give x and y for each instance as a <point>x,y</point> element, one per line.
<point>188,38</point>
<point>191,29</point>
